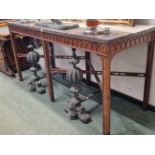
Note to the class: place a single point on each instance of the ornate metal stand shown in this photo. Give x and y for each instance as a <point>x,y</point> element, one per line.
<point>74,108</point>
<point>34,84</point>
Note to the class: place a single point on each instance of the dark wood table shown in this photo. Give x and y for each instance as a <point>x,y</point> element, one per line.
<point>7,62</point>
<point>105,46</point>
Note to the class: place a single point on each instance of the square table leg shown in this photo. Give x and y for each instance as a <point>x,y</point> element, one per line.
<point>87,67</point>
<point>106,94</point>
<point>149,63</point>
<point>51,47</point>
<point>48,69</point>
<point>13,43</point>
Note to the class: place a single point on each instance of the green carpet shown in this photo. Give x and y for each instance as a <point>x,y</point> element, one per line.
<point>22,112</point>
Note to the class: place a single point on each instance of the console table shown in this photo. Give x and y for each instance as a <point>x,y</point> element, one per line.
<point>105,46</point>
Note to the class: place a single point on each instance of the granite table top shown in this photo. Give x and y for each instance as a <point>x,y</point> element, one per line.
<point>116,31</point>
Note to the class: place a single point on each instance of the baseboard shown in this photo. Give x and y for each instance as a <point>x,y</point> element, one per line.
<point>126,96</point>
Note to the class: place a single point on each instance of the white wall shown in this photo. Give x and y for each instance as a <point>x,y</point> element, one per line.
<point>130,60</point>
